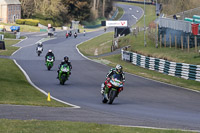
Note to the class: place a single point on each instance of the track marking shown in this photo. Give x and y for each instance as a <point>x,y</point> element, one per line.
<point>159,128</point>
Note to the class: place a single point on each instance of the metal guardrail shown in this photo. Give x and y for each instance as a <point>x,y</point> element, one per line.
<point>182,70</point>
<point>175,24</point>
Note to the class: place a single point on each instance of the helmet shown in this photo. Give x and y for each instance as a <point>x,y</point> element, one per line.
<point>50,51</point>
<point>40,43</point>
<point>66,58</point>
<point>118,68</point>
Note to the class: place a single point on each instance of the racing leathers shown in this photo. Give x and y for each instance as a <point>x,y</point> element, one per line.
<point>109,76</point>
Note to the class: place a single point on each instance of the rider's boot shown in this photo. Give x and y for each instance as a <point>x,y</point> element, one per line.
<point>102,88</point>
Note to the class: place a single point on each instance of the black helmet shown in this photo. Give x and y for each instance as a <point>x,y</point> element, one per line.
<point>66,58</point>
<point>118,68</point>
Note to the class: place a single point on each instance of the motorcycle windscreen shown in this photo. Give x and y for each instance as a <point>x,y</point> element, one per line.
<point>117,76</point>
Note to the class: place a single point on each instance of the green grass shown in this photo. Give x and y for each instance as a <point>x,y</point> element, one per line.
<point>120,13</point>
<point>171,54</point>
<point>15,89</point>
<point>102,43</point>
<point>24,28</point>
<point>29,126</point>
<point>9,48</point>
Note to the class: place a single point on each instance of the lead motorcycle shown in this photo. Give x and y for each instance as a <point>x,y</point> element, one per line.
<point>112,89</point>
<point>64,73</point>
<point>39,50</point>
<point>49,62</point>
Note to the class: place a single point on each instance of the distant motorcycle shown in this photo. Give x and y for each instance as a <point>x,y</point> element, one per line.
<point>64,73</point>
<point>112,89</point>
<point>49,62</point>
<point>39,50</point>
<point>70,34</point>
<point>75,35</point>
<point>66,35</point>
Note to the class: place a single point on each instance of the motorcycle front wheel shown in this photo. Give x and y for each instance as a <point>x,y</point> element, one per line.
<point>112,95</point>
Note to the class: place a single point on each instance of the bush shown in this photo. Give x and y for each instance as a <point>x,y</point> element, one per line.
<point>20,21</point>
<point>31,22</point>
<point>54,24</point>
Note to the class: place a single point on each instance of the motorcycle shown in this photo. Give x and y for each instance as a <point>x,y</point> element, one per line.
<point>112,89</point>
<point>75,35</point>
<point>64,73</point>
<point>39,50</point>
<point>70,34</point>
<point>49,62</point>
<point>66,35</point>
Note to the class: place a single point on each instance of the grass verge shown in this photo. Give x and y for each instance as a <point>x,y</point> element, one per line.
<point>120,13</point>
<point>16,126</point>
<point>100,44</point>
<point>24,28</point>
<point>171,54</point>
<point>9,48</point>
<point>15,89</point>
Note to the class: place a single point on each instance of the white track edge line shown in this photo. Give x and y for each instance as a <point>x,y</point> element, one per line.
<point>159,128</point>
<point>29,80</point>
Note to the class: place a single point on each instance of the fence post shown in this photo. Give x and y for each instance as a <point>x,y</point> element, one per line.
<point>175,42</point>
<point>195,39</point>
<point>181,42</point>
<point>170,40</point>
<point>160,40</point>
<point>188,43</point>
<point>165,40</point>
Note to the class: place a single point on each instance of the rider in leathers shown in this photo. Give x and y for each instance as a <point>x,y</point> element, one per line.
<point>65,61</point>
<point>117,70</point>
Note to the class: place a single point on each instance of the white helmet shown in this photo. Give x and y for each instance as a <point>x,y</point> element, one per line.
<point>119,68</point>
<point>50,51</point>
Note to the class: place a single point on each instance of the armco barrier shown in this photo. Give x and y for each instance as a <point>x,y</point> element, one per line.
<point>182,70</point>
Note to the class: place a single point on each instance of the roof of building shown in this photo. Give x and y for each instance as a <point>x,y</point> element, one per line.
<point>7,2</point>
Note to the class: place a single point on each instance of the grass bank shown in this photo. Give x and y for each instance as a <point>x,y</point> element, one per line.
<point>9,48</point>
<point>15,89</point>
<point>97,46</point>
<point>16,126</point>
<point>120,13</point>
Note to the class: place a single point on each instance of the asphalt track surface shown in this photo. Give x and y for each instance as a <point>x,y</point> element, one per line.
<point>143,102</point>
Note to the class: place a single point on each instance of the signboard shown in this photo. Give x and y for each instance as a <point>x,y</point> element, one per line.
<point>49,25</point>
<point>117,23</point>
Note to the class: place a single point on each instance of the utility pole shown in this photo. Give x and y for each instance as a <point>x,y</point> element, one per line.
<point>145,44</point>
<point>156,34</point>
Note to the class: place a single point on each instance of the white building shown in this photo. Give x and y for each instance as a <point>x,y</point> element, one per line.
<point>10,10</point>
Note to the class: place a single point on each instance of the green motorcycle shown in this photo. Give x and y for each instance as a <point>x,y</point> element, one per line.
<point>49,62</point>
<point>64,73</point>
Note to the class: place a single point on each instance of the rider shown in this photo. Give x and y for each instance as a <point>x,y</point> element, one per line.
<point>39,44</point>
<point>50,53</point>
<point>117,70</point>
<point>65,61</point>
<point>75,34</point>
<point>84,32</point>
